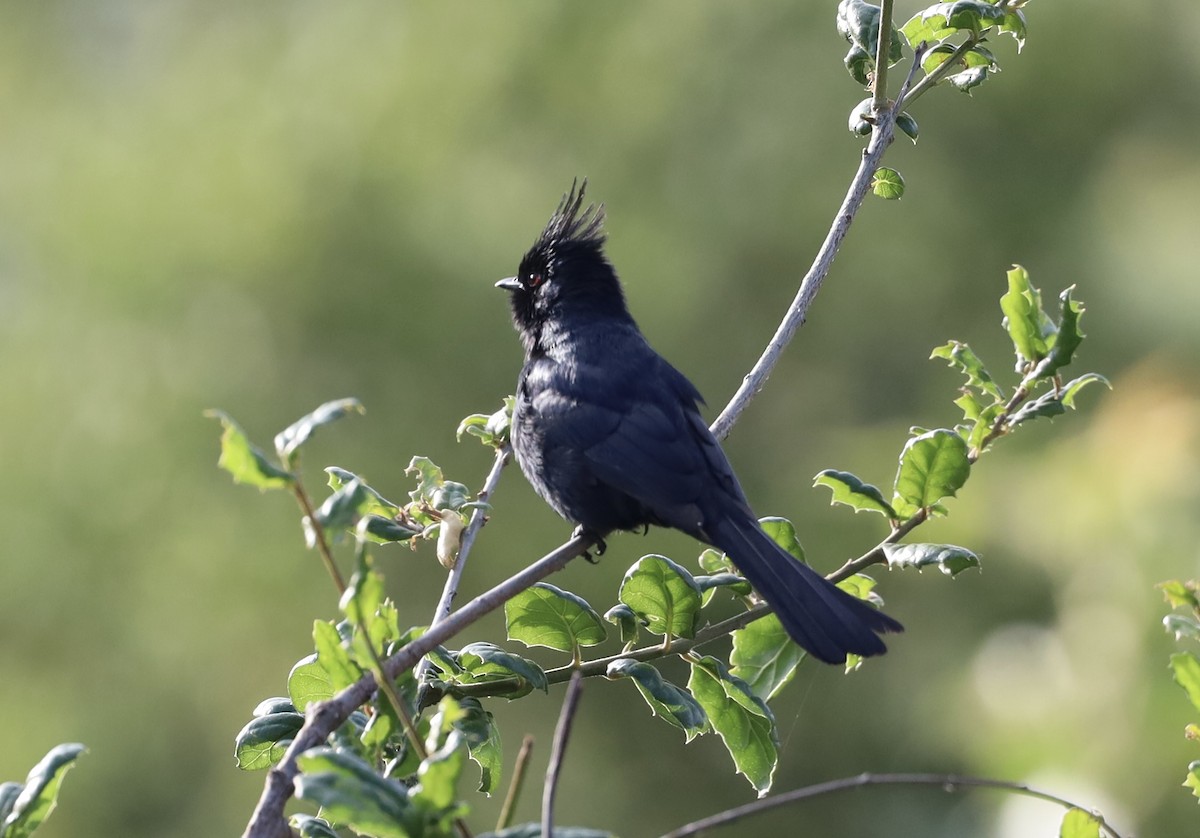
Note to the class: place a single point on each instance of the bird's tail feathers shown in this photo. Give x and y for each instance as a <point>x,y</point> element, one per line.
<point>821,617</point>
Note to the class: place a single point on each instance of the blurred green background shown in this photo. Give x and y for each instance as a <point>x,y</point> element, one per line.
<point>264,206</point>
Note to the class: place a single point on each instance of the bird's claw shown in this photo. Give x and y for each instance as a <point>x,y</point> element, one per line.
<point>597,543</point>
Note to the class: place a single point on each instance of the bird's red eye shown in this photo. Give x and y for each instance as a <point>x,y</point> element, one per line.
<point>535,280</point>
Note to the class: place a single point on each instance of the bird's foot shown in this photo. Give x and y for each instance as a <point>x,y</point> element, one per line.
<point>598,543</point>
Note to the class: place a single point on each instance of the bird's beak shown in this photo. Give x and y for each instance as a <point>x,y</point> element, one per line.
<point>509,283</point>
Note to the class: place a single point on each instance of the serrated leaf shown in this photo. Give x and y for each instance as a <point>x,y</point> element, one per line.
<point>887,184</point>
<point>39,794</point>
<point>375,503</point>
<point>482,736</point>
<point>245,462</point>
<point>933,466</point>
<point>1192,781</point>
<point>663,594</point>
<point>311,827</point>
<point>968,79</point>
<point>850,491</point>
<point>543,615</point>
<point>765,657</point>
<point>1024,320</point>
<point>1014,24</point>
<point>947,558</point>
<point>861,586</point>
<point>491,429</point>
<point>429,478</point>
<point>961,357</point>
<point>670,703</point>
<point>289,440</point>
<point>308,682</point>
<point>264,740</point>
<point>1186,669</point>
<point>741,718</point>
<point>333,657</point>
<point>627,622</point>
<point>1077,823</point>
<point>487,661</point>
<point>350,792</point>
<point>1179,594</point>
<point>1065,339</point>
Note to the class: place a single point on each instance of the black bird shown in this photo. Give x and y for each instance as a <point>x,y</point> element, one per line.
<point>610,435</point>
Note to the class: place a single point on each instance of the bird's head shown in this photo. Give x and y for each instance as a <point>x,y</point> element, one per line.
<point>565,275</point>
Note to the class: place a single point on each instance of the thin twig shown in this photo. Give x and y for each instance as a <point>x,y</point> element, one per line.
<point>950,783</point>
<point>797,313</point>
<point>454,577</point>
<point>322,543</point>
<point>324,717</point>
<point>514,787</point>
<point>558,751</point>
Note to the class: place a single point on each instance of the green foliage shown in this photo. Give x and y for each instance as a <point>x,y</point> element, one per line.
<point>25,806</point>
<point>1185,665</point>
<point>664,596</point>
<point>544,615</point>
<point>742,720</point>
<point>947,558</point>
<point>888,184</point>
<point>858,22</point>
<point>1077,823</point>
<point>672,704</point>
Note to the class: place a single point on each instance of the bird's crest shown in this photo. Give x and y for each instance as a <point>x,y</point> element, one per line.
<point>572,223</point>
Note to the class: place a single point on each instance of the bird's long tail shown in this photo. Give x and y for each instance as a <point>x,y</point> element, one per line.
<point>821,617</point>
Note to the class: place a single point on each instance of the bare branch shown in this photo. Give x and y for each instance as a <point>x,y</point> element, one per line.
<point>949,783</point>
<point>558,751</point>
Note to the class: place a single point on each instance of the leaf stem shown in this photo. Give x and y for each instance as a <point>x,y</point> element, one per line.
<point>322,543</point>
<point>949,783</point>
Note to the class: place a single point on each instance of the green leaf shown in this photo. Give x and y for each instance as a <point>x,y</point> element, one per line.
<point>968,80</point>
<point>933,466</point>
<point>375,503</point>
<point>1014,24</point>
<point>1066,338</point>
<point>783,533</point>
<point>245,462</point>
<point>1071,389</point>
<point>942,20</point>
<point>714,561</point>
<point>544,615</point>
<point>1077,823</point>
<point>1184,628</point>
<point>310,827</point>
<point>289,440</point>
<point>947,558</point>
<point>742,719</point>
<point>961,357</point>
<point>340,511</point>
<point>482,736</point>
<point>308,682</point>
<point>1179,594</point>
<point>350,792</point>
<point>488,662</point>
<point>862,117</point>
<point>437,776</point>
<point>333,657</point>
<point>906,123</point>
<point>663,594</point>
<point>765,657</point>
<point>627,622</point>
<point>732,581</point>
<point>1192,781</point>
<point>1027,324</point>
<point>850,491</point>
<point>1186,668</point>
<point>858,23</point>
<point>429,479</point>
<point>264,740</point>
<point>37,798</point>
<point>670,703</point>
<point>887,184</point>
<point>491,429</point>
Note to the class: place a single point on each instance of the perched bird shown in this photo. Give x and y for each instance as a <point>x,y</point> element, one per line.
<point>610,434</point>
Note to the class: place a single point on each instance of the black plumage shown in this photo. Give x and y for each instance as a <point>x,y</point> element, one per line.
<point>610,435</point>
